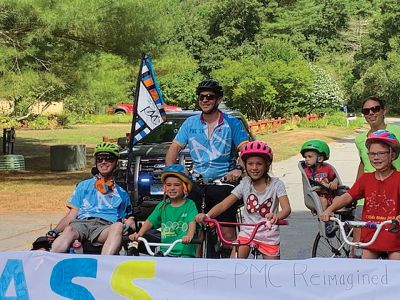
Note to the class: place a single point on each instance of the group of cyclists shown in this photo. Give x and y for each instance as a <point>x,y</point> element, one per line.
<point>99,209</point>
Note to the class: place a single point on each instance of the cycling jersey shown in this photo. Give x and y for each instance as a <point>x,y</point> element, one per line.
<point>91,203</point>
<point>214,156</point>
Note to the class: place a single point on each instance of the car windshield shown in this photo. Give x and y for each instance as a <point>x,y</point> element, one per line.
<point>165,133</point>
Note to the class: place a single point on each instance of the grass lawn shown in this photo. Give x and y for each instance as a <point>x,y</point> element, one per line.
<point>39,189</point>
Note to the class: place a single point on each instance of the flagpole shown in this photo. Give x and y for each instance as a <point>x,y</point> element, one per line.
<point>129,174</point>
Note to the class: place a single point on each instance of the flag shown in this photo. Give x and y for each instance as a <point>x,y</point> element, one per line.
<point>149,110</point>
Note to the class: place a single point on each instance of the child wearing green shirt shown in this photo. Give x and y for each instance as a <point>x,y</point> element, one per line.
<point>175,214</point>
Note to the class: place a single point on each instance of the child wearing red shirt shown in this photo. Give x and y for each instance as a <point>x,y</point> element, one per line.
<point>381,190</point>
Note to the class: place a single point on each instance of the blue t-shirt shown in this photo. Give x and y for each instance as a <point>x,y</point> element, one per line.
<point>212,157</point>
<point>91,203</point>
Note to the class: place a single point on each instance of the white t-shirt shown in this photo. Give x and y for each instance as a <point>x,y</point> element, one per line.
<point>257,205</point>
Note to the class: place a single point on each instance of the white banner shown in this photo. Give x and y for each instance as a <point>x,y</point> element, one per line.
<point>43,275</point>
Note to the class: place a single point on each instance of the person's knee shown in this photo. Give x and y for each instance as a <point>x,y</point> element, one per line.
<point>116,228</point>
<point>229,233</point>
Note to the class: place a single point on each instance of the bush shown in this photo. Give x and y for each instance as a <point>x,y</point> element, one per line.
<point>8,122</point>
<point>62,120</point>
<point>334,120</point>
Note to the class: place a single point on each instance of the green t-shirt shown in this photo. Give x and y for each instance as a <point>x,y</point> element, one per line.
<point>363,151</point>
<point>174,224</point>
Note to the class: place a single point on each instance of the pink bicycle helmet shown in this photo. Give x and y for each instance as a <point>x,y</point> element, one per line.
<point>386,137</point>
<point>256,148</point>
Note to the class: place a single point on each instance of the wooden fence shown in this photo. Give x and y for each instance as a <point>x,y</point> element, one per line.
<point>272,125</point>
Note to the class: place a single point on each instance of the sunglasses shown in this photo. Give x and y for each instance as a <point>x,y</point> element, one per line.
<point>207,97</point>
<point>374,109</point>
<point>106,158</point>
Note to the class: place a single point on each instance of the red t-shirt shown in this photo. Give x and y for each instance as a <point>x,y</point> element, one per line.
<point>381,203</point>
<point>324,174</point>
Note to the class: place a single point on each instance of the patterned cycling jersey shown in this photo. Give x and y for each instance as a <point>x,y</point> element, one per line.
<point>91,203</point>
<point>212,156</point>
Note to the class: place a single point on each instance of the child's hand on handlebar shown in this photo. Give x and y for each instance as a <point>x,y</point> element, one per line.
<point>187,239</point>
<point>271,218</point>
<point>134,236</point>
<point>200,217</point>
<point>325,216</point>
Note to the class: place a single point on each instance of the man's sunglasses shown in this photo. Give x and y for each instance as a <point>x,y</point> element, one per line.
<point>106,158</point>
<point>207,97</point>
<point>374,109</point>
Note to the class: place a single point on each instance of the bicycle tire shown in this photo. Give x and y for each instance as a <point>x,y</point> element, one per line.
<point>330,247</point>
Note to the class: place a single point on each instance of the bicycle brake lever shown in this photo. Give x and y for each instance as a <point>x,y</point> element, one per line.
<point>394,228</point>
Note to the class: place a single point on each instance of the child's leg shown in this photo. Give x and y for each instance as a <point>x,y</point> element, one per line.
<point>369,254</point>
<point>394,255</point>
<point>324,202</point>
<point>271,257</point>
<point>244,252</point>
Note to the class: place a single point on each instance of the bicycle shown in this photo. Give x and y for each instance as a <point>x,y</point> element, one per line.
<point>250,241</point>
<point>211,248</point>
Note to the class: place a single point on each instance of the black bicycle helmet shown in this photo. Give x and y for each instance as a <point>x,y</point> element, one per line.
<point>210,85</point>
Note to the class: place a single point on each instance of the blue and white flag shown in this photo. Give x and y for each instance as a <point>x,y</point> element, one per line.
<point>149,110</point>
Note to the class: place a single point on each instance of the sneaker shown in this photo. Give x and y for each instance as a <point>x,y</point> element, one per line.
<point>330,230</point>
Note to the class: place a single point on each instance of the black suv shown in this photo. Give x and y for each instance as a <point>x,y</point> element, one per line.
<point>145,187</point>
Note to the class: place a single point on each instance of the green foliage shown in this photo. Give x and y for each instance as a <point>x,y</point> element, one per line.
<point>337,119</point>
<point>377,64</point>
<point>86,53</point>
<point>177,75</point>
<point>326,95</point>
<point>8,122</point>
<point>269,85</point>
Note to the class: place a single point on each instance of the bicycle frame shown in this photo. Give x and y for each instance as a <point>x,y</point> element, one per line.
<point>363,224</point>
<point>236,243</point>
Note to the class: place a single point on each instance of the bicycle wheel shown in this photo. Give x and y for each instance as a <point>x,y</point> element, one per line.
<point>330,247</point>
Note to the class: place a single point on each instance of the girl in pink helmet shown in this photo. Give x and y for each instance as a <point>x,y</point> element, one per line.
<point>381,191</point>
<point>262,196</point>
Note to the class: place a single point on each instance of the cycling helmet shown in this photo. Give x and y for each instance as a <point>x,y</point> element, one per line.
<point>210,85</point>
<point>107,147</point>
<point>256,148</point>
<point>386,137</point>
<point>177,170</point>
<point>316,145</point>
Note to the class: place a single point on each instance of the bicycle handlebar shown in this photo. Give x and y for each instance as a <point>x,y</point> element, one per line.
<point>364,224</point>
<point>169,245</point>
<point>256,226</point>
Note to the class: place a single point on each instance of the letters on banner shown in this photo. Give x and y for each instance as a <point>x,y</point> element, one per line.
<point>42,275</point>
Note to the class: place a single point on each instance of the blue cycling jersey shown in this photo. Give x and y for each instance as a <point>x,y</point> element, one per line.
<point>91,203</point>
<point>214,156</point>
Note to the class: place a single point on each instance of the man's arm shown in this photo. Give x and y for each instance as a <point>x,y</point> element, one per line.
<point>64,222</point>
<point>172,154</point>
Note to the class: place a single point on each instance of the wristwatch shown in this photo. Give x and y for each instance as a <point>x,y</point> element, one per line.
<point>238,167</point>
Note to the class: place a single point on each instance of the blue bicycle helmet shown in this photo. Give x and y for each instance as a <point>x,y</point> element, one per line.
<point>179,171</point>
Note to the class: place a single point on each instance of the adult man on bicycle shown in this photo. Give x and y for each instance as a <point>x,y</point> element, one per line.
<point>214,139</point>
<point>98,208</point>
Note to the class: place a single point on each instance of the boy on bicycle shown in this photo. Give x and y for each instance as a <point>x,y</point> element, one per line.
<point>175,214</point>
<point>381,191</point>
